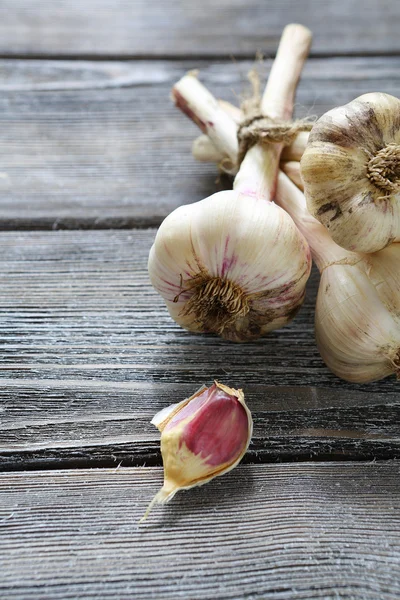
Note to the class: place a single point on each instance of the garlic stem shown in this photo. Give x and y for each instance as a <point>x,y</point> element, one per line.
<point>324,250</point>
<point>292,170</point>
<point>258,172</point>
<point>204,150</point>
<point>193,99</point>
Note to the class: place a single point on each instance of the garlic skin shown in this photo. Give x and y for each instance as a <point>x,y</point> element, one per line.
<point>351,172</point>
<point>357,317</point>
<point>357,331</point>
<point>247,251</point>
<point>202,437</point>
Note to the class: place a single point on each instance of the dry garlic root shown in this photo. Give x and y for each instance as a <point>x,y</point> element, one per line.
<point>202,437</point>
<point>351,172</point>
<point>235,263</point>
<point>357,319</point>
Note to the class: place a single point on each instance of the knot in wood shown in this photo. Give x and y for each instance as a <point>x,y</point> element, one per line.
<point>383,169</point>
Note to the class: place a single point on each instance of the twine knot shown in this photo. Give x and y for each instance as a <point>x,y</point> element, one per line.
<point>258,128</point>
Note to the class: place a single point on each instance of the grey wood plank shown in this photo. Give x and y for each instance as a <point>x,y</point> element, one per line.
<point>99,144</point>
<point>286,532</point>
<point>188,27</point>
<point>88,354</point>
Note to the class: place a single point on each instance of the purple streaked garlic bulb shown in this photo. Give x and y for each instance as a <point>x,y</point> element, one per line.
<point>234,263</point>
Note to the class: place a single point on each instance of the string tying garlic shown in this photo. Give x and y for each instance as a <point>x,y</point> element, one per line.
<point>235,263</point>
<point>294,133</point>
<point>351,172</point>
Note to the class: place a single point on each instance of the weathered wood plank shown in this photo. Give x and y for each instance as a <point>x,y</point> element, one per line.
<point>184,28</point>
<point>268,531</point>
<point>88,355</point>
<point>99,144</point>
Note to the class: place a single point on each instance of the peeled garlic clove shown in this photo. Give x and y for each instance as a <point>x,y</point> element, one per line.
<point>351,172</point>
<point>202,437</point>
<point>232,264</point>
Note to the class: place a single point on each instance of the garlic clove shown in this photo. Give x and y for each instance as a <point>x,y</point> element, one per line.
<point>351,172</point>
<point>202,437</point>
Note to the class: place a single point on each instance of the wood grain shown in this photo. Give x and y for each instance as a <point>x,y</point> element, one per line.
<point>89,354</point>
<point>99,144</point>
<point>184,28</point>
<point>269,531</point>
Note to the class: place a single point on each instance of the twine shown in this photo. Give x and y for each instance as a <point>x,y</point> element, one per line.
<point>258,128</point>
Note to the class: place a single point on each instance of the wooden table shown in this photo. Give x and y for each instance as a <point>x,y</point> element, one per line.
<point>93,156</point>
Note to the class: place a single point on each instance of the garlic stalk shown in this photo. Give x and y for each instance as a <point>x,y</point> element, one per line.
<point>202,437</point>
<point>357,319</point>
<point>351,172</point>
<point>235,263</point>
<point>292,170</point>
<point>204,150</point>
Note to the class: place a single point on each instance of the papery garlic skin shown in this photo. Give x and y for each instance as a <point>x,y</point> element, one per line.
<point>351,172</point>
<point>247,249</point>
<point>202,437</point>
<point>357,324</point>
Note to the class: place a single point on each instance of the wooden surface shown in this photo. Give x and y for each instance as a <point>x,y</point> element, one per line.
<point>90,142</point>
<point>99,144</point>
<point>92,354</point>
<point>137,28</point>
<point>264,531</point>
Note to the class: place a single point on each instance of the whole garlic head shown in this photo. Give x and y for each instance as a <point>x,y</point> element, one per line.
<point>351,172</point>
<point>357,321</point>
<point>231,264</point>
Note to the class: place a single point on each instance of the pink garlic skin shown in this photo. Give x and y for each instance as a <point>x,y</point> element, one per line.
<point>216,427</point>
<point>202,437</point>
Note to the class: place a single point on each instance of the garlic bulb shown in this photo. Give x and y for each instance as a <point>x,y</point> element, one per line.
<point>351,172</point>
<point>357,319</point>
<point>235,263</point>
<point>202,437</point>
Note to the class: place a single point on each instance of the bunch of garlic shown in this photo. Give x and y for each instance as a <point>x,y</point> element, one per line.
<point>357,319</point>
<point>202,437</point>
<point>351,172</point>
<point>235,263</point>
